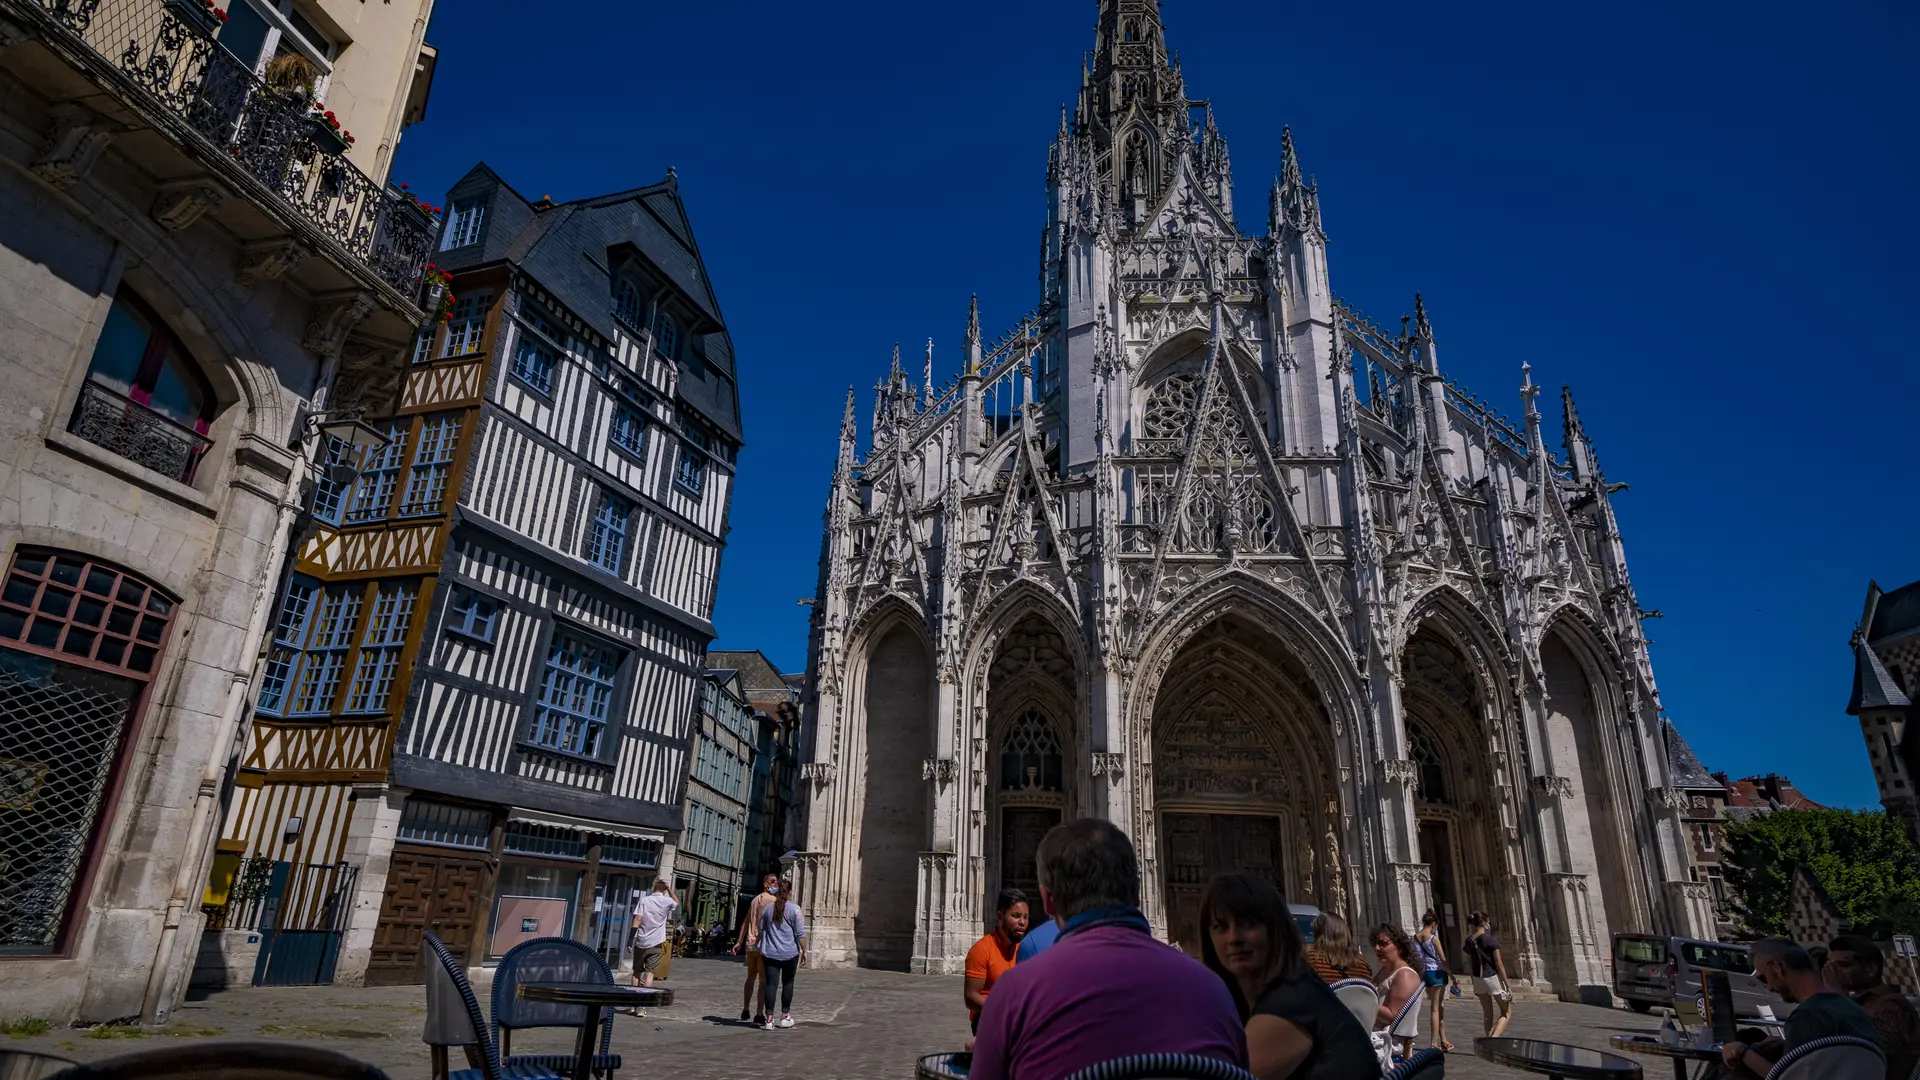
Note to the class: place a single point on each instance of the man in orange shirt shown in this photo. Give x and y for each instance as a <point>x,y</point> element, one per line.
<point>992,956</point>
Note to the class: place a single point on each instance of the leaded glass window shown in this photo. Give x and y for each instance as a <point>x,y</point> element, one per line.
<point>1030,758</point>
<point>1430,777</point>
<point>380,476</point>
<point>432,464</point>
<point>386,632</point>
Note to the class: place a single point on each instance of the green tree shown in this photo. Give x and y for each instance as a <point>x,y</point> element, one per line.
<point>1862,858</point>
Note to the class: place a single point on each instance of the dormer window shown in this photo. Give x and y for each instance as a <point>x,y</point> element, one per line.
<point>666,336</point>
<point>463,227</point>
<point>144,398</point>
<point>627,305</point>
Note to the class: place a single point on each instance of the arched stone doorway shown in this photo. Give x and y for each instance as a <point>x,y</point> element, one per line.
<point>894,811</point>
<point>1242,773</point>
<point>1031,691</point>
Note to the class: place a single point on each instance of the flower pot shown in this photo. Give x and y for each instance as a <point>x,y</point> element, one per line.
<point>430,303</point>
<point>195,16</point>
<point>325,137</point>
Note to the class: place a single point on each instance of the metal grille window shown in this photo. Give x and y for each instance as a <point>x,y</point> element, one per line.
<point>628,432</point>
<point>82,640</point>
<point>576,693</point>
<point>466,324</point>
<point>1030,757</point>
<point>445,825</point>
<point>625,851</point>
<point>464,229</point>
<point>83,610</point>
<point>432,464</point>
<point>374,495</point>
<point>380,648</point>
<point>607,539</point>
<point>551,841</point>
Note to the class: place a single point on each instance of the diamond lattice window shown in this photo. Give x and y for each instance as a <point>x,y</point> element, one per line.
<point>1030,756</point>
<point>79,643</point>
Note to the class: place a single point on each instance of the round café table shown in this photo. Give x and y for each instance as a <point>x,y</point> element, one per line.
<point>22,1065</point>
<point>943,1067</point>
<point>594,994</point>
<point>1557,1060</point>
<point>1681,1054</point>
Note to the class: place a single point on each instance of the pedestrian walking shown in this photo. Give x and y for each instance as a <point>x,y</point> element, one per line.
<point>993,955</point>
<point>749,941</point>
<point>1399,986</point>
<point>1489,972</point>
<point>1296,1028</point>
<point>1435,976</point>
<point>783,947</point>
<point>650,917</point>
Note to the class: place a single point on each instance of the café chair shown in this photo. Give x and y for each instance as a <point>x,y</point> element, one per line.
<point>454,1019</point>
<point>1406,1025</point>
<point>1833,1057</point>
<point>227,1060</point>
<point>549,960</point>
<point>1428,1064</point>
<point>1360,998</point>
<point>1163,1067</point>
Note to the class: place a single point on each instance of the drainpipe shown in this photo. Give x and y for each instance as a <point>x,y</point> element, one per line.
<point>162,982</point>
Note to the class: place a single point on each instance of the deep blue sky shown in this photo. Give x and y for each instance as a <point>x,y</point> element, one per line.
<point>1700,216</point>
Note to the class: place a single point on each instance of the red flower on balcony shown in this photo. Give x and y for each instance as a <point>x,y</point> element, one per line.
<point>324,115</point>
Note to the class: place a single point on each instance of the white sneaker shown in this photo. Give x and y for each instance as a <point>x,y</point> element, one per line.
<point>786,1021</point>
<point>768,1026</point>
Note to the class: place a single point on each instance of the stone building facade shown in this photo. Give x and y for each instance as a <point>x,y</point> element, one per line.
<point>1198,548</point>
<point>196,283</point>
<point>1886,668</point>
<point>773,801</point>
<point>708,863</point>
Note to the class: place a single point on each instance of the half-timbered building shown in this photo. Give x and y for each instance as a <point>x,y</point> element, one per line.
<point>488,660</point>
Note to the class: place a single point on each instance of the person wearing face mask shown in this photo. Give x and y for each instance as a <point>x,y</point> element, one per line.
<point>749,941</point>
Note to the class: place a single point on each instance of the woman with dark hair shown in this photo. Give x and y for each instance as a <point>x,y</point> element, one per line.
<point>1434,975</point>
<point>1296,1028</point>
<point>1333,955</point>
<point>783,947</point>
<point>1399,984</point>
<point>1489,972</point>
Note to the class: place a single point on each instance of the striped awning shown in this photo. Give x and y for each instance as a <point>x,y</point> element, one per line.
<point>585,825</point>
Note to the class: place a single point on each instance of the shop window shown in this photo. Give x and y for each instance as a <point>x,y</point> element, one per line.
<point>80,643</point>
<point>144,399</point>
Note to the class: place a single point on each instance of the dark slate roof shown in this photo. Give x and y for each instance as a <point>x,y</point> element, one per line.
<point>1873,686</point>
<point>1683,765</point>
<point>566,248</point>
<point>1894,613</point>
<point>1747,813</point>
<point>756,671</point>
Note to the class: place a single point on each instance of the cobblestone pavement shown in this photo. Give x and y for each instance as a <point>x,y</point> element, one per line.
<point>852,1025</point>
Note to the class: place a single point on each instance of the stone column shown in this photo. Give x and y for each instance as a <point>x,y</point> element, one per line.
<point>371,832</point>
<point>940,942</point>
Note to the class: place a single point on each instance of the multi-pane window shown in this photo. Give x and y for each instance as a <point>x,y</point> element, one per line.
<point>691,470</point>
<point>145,398</point>
<point>330,498</point>
<point>576,693</point>
<point>666,336</point>
<point>310,646</point>
<point>380,476</point>
<point>466,324</point>
<point>628,432</point>
<point>471,615</point>
<point>533,363</point>
<point>627,305</point>
<point>607,539</point>
<point>432,463</point>
<point>289,634</point>
<point>423,345</point>
<point>464,227</point>
<point>380,648</point>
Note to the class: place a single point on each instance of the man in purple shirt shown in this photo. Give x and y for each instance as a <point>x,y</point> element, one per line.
<point>1106,989</point>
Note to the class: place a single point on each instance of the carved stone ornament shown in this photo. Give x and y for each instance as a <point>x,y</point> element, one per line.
<point>1417,873</point>
<point>942,770</point>
<point>75,139</point>
<point>1553,787</point>
<point>1691,890</point>
<point>1111,765</point>
<point>1666,798</point>
<point>269,260</point>
<point>369,378</point>
<point>818,772</point>
<point>1399,771</point>
<point>332,319</point>
<point>180,205</point>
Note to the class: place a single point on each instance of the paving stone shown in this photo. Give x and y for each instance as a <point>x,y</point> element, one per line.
<point>851,1025</point>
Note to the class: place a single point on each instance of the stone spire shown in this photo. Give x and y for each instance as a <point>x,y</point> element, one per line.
<point>1579,447</point>
<point>973,335</point>
<point>927,376</point>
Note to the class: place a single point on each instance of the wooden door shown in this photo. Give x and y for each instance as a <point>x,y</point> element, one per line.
<point>1198,848</point>
<point>425,892</point>
<point>1021,830</point>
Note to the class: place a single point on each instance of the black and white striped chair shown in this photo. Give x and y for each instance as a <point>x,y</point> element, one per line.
<point>454,1019</point>
<point>1832,1057</point>
<point>1163,1067</point>
<point>1361,998</point>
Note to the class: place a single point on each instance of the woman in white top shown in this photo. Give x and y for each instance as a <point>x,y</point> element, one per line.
<point>1399,986</point>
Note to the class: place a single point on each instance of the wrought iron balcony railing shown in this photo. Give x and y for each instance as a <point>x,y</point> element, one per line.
<point>118,423</point>
<point>263,129</point>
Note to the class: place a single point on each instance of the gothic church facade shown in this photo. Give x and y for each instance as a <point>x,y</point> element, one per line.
<point>1199,549</point>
